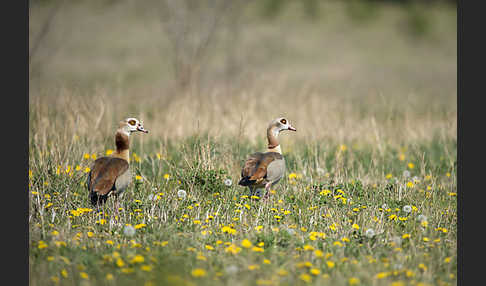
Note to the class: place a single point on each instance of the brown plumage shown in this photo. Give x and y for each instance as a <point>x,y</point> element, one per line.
<point>103,177</point>
<point>263,170</point>
<point>111,175</point>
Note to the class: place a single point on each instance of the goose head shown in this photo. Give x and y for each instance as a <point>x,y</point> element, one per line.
<point>131,125</point>
<point>280,124</point>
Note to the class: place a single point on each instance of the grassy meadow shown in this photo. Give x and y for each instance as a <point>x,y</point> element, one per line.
<point>370,192</point>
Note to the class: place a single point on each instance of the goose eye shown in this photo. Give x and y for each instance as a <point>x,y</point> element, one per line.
<point>132,122</point>
<point>283,121</point>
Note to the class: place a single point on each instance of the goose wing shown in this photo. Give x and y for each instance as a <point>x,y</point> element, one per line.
<point>256,166</point>
<point>103,174</point>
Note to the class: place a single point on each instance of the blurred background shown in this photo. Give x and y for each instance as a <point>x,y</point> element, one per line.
<point>346,71</point>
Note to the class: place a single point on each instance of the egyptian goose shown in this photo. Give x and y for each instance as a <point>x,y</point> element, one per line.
<point>112,174</point>
<point>266,169</point>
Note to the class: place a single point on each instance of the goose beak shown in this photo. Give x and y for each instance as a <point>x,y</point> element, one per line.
<point>141,129</point>
<point>292,128</point>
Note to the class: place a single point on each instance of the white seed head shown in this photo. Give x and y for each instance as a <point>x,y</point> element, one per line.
<point>129,230</point>
<point>422,218</point>
<point>181,194</point>
<point>384,206</point>
<point>406,173</point>
<point>228,182</point>
<point>397,266</point>
<point>370,232</point>
<point>407,209</point>
<point>232,269</point>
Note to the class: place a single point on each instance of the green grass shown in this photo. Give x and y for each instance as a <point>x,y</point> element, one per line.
<point>176,231</point>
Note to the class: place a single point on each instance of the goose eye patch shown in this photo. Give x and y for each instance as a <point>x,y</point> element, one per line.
<point>283,121</point>
<point>131,122</point>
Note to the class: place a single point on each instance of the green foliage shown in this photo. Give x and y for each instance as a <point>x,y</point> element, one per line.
<point>210,181</point>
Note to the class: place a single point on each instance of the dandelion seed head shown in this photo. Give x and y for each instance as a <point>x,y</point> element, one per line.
<point>232,269</point>
<point>384,206</point>
<point>181,194</point>
<point>397,266</point>
<point>370,233</point>
<point>290,231</point>
<point>129,230</point>
<point>406,173</point>
<point>407,209</point>
<point>228,182</point>
<point>422,218</point>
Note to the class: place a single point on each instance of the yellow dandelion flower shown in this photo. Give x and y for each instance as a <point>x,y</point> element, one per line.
<point>401,157</point>
<point>318,253</point>
<point>355,226</point>
<point>166,176</point>
<point>120,263</point>
<point>315,271</point>
<point>84,275</point>
<point>140,225</point>
<point>109,152</point>
<point>257,249</point>
<point>325,192</point>
<point>338,243</point>
<point>110,242</point>
<point>137,259</point>
<point>282,272</point>
<point>266,261</point>
<point>109,277</point>
<point>253,267</point>
<point>308,247</point>
<point>411,165</point>
<point>422,266</point>
<point>353,281</point>
<point>198,272</point>
<point>127,270</point>
<point>305,277</point>
<point>42,245</point>
<point>232,249</point>
<point>330,264</point>
<point>146,268</point>
<point>381,275</point>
